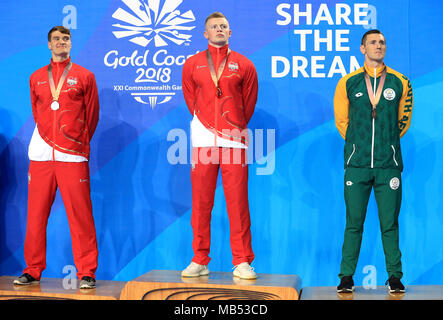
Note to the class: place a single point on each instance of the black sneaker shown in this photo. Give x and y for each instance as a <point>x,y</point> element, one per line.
<point>87,283</point>
<point>25,279</point>
<point>395,285</point>
<point>346,285</point>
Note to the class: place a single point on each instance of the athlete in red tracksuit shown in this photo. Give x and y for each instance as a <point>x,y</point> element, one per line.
<point>220,88</point>
<point>59,153</point>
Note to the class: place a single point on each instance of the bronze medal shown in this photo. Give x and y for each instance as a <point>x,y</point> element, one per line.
<point>374,96</point>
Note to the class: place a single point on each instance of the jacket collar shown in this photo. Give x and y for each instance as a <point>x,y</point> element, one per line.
<point>61,64</point>
<point>372,71</point>
<point>220,51</point>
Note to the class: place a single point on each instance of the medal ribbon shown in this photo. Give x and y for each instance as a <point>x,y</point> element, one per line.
<point>216,76</point>
<point>375,99</point>
<point>56,92</point>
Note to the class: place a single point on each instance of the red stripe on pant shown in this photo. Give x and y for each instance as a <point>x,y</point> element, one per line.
<point>72,179</point>
<point>204,173</point>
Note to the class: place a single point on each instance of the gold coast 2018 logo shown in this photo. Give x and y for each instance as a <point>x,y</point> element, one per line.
<point>152,25</point>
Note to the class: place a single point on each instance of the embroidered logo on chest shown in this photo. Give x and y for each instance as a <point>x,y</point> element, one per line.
<point>233,66</point>
<point>389,94</point>
<point>72,81</point>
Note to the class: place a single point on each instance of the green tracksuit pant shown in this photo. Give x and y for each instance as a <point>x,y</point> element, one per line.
<point>358,184</point>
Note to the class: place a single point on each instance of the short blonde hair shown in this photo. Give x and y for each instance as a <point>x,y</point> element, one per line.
<point>215,15</point>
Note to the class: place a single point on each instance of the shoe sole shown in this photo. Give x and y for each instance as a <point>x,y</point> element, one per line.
<point>396,290</point>
<point>244,278</point>
<point>87,287</point>
<point>346,290</point>
<point>25,283</point>
<point>187,275</point>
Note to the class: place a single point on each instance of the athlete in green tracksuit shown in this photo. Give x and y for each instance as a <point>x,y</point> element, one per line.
<point>373,107</point>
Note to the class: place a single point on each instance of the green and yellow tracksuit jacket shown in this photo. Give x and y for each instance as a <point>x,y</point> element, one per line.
<point>373,143</point>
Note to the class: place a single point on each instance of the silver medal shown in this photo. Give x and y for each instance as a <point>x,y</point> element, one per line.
<point>55,105</point>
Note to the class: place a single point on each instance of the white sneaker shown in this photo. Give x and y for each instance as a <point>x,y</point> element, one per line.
<point>244,271</point>
<point>195,270</point>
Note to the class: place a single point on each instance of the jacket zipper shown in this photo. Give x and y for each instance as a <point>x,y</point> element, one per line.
<point>54,122</point>
<point>216,97</point>
<point>373,122</point>
<point>393,156</point>
<point>54,134</point>
<point>353,151</point>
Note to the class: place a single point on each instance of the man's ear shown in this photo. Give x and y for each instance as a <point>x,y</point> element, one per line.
<point>362,49</point>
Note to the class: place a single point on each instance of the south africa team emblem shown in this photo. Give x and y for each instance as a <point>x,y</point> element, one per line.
<point>394,183</point>
<point>389,94</point>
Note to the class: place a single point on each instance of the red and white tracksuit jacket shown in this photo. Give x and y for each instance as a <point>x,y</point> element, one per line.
<point>69,129</point>
<point>226,118</point>
<point>67,133</point>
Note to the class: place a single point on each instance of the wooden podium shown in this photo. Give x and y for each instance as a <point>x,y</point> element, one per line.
<point>413,292</point>
<point>169,285</point>
<point>52,289</point>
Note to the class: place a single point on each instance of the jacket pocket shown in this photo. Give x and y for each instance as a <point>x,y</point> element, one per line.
<point>352,154</point>
<point>393,155</point>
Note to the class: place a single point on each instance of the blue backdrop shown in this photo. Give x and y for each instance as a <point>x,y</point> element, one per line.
<point>140,171</point>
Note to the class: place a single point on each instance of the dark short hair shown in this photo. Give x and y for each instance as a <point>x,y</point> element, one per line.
<point>61,29</point>
<point>215,15</point>
<point>373,31</point>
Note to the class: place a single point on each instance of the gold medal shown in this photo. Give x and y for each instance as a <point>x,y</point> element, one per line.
<point>216,75</point>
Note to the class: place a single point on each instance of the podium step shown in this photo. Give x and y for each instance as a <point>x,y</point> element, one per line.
<point>169,285</point>
<point>415,292</point>
<point>53,289</point>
